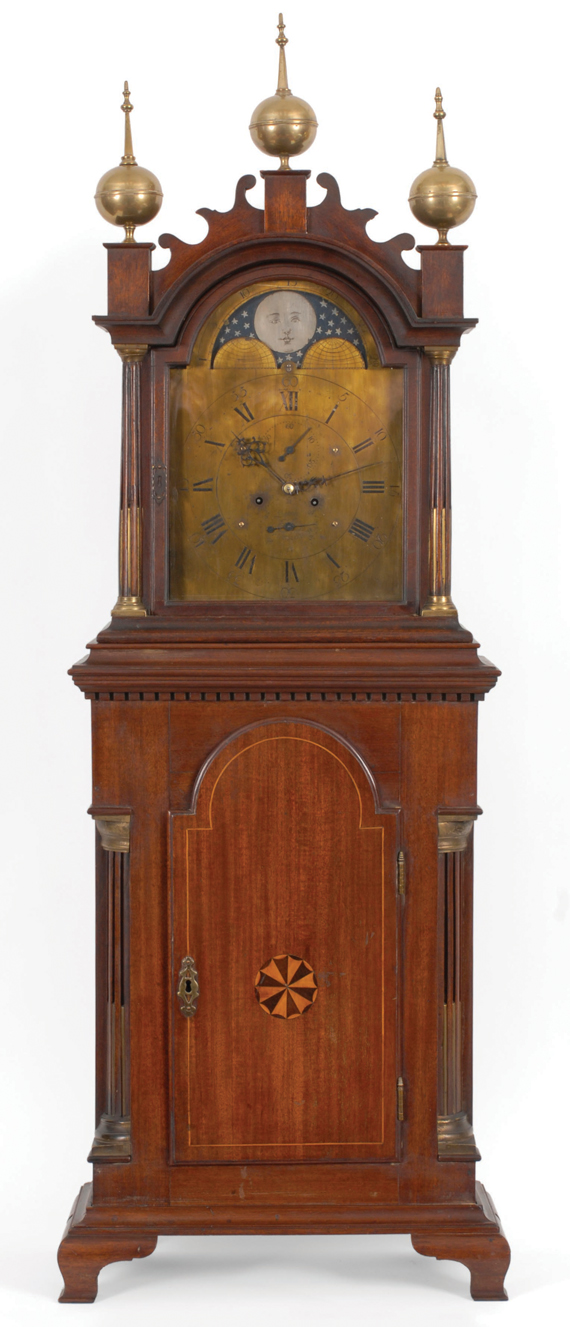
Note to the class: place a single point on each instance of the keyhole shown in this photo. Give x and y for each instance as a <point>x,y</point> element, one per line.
<point>188,985</point>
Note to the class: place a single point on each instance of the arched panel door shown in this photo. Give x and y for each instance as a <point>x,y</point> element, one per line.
<point>283,895</point>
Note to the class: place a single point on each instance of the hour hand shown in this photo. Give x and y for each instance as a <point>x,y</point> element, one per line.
<point>250,454</point>
<point>291,448</point>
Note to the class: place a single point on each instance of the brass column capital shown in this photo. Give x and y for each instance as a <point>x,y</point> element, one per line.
<point>131,354</point>
<point>453,831</point>
<point>439,354</point>
<point>115,832</point>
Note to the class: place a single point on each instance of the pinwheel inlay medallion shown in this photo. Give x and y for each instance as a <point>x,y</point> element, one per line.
<point>286,986</point>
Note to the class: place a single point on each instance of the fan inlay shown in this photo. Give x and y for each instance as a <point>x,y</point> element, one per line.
<point>286,986</point>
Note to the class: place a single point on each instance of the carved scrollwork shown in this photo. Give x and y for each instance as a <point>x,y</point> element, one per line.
<point>188,989</point>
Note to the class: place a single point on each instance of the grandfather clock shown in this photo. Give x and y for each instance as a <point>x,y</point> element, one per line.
<point>284,734</point>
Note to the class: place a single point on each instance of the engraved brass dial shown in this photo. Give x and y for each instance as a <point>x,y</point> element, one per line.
<point>286,484</point>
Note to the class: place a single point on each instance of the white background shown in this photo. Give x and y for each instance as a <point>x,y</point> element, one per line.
<point>196,72</point>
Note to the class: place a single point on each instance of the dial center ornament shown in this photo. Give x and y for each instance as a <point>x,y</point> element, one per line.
<point>286,986</point>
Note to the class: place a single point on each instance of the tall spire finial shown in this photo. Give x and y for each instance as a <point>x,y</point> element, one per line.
<point>442,196</point>
<point>439,115</point>
<point>128,159</point>
<point>283,125</point>
<point>282,41</point>
<point>128,195</point>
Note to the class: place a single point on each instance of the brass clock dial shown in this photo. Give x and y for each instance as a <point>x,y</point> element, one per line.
<point>288,486</point>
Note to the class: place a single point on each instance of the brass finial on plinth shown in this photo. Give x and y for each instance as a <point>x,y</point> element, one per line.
<point>129,195</point>
<point>283,125</point>
<point>442,196</point>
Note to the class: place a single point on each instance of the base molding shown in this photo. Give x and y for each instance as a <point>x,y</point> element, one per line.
<point>470,1233</point>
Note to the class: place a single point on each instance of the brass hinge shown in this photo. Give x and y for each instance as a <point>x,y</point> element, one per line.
<point>400,1098</point>
<point>401,873</point>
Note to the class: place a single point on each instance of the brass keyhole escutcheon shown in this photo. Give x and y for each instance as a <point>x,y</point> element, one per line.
<point>188,988</point>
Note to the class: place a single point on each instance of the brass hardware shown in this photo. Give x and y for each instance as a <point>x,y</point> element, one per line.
<point>188,989</point>
<point>439,605</point>
<point>442,196</point>
<point>401,873</point>
<point>455,1138</point>
<point>284,125</point>
<point>453,831</point>
<point>128,195</point>
<point>131,354</point>
<point>115,832</point>
<point>437,354</point>
<point>112,1141</point>
<point>128,605</point>
<point>400,1098</point>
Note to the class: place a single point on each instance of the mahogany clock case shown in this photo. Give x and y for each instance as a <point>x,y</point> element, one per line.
<point>285,794</point>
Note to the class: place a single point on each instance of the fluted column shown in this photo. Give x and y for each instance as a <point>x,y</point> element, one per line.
<point>440,603</point>
<point>454,1129</point>
<point>112,1141</point>
<point>129,602</point>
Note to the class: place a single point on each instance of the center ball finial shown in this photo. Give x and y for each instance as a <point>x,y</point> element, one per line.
<point>283,125</point>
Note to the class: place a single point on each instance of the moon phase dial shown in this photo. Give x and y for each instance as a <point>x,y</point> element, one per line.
<point>291,487</point>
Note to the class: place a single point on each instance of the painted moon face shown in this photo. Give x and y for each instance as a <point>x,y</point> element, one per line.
<point>285,321</point>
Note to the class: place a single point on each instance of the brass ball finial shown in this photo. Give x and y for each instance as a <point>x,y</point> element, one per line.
<point>128,195</point>
<point>283,125</point>
<point>442,196</point>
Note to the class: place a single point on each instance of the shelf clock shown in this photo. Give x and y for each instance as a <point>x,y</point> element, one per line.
<point>284,734</point>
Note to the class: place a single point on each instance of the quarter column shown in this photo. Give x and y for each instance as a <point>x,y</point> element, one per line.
<point>129,602</point>
<point>112,1141</point>
<point>454,1129</point>
<point>440,603</point>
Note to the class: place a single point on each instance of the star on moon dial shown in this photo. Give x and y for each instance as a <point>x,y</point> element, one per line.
<point>292,486</point>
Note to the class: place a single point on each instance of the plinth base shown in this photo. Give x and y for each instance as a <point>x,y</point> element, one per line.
<point>469,1233</point>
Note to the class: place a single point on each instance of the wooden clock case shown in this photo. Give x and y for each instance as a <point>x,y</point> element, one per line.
<point>347,730</point>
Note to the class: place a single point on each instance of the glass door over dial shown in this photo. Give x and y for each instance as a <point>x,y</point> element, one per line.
<point>286,456</point>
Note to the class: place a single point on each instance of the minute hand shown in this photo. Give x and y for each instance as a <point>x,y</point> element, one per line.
<point>316,480</point>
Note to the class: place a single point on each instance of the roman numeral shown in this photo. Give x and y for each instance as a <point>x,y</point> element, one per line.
<point>335,407</point>
<point>290,570</point>
<point>213,525</point>
<point>245,413</point>
<point>331,559</point>
<point>201,486</point>
<point>210,442</point>
<point>361,530</point>
<point>361,445</point>
<point>290,400</point>
<point>372,485</point>
<point>245,552</point>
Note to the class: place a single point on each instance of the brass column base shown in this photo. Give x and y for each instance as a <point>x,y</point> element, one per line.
<point>455,1138</point>
<point>112,1141</point>
<point>129,605</point>
<point>439,605</point>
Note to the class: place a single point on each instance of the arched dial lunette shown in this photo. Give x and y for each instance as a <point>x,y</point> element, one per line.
<point>289,487</point>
